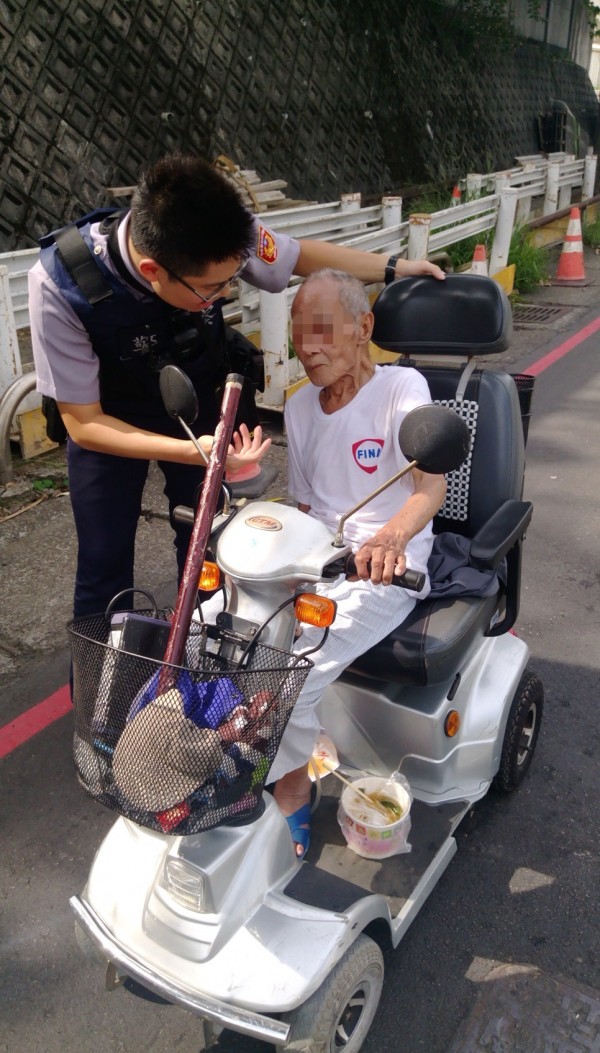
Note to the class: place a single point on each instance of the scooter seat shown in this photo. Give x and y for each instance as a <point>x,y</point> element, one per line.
<point>432,644</point>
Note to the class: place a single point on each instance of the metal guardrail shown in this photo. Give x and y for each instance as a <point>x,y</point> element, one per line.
<point>9,403</point>
<point>376,228</point>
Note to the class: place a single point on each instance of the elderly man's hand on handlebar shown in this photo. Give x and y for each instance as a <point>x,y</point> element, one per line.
<point>381,557</point>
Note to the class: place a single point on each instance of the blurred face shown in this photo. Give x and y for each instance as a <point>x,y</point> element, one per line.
<point>329,342</point>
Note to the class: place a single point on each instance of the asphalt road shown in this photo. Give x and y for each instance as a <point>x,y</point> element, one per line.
<point>524,886</point>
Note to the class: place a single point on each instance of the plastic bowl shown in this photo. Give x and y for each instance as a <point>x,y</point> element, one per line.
<point>372,839</point>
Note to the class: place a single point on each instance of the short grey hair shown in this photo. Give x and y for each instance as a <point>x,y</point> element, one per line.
<point>352,293</point>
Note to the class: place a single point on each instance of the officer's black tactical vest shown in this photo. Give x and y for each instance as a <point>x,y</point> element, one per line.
<point>134,333</point>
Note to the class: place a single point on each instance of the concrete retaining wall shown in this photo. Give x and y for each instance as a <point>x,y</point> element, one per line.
<point>331,96</point>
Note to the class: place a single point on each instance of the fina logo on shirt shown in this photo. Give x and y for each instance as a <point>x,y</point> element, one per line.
<point>366,453</point>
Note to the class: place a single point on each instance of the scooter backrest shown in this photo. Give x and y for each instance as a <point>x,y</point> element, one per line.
<point>466,314</point>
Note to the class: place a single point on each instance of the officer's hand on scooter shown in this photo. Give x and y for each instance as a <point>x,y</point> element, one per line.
<point>380,558</point>
<point>416,267</point>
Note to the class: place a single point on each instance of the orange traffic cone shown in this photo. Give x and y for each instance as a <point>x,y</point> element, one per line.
<point>480,263</point>
<point>456,196</point>
<point>571,270</point>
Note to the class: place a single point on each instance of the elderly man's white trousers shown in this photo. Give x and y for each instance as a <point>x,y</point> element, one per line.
<point>366,614</point>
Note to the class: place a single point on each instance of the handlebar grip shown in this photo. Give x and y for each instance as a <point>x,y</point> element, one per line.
<point>411,579</point>
<point>183,514</point>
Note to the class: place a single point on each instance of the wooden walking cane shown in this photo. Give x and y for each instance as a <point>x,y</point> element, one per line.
<point>205,513</point>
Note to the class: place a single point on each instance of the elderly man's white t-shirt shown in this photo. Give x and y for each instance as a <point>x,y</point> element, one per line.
<point>335,460</point>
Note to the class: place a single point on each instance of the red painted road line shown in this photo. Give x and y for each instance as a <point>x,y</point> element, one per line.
<point>45,713</point>
<point>34,720</point>
<point>562,349</point>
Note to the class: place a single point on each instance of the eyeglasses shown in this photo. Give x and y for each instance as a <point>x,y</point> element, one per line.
<point>217,291</point>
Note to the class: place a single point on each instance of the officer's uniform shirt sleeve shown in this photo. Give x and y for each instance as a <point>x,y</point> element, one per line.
<point>66,366</point>
<point>272,259</point>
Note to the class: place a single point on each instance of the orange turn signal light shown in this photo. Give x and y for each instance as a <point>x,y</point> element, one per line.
<point>210,577</point>
<point>315,610</point>
<point>452,723</point>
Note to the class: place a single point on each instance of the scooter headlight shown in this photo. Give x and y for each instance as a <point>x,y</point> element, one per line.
<point>184,883</point>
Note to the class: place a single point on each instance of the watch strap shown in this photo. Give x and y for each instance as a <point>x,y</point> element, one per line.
<point>390,269</point>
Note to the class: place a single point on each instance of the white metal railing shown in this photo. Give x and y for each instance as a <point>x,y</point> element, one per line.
<point>18,265</point>
<point>508,195</point>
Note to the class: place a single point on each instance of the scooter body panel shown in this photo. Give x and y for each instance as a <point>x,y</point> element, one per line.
<point>266,951</point>
<point>379,727</point>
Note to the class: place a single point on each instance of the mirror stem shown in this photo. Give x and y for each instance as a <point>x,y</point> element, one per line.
<point>338,541</point>
<point>188,431</point>
<point>190,435</point>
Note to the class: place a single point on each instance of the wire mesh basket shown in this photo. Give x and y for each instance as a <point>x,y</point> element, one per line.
<point>174,748</point>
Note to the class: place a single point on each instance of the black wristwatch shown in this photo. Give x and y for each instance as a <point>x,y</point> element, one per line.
<point>390,269</point>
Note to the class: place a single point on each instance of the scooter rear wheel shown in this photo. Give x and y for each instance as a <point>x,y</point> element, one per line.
<point>521,735</point>
<point>337,1017</point>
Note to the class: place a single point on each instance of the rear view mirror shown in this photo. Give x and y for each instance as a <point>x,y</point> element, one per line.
<point>178,394</point>
<point>436,438</point>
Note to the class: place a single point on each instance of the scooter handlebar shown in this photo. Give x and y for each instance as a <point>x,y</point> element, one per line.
<point>183,514</point>
<point>411,579</point>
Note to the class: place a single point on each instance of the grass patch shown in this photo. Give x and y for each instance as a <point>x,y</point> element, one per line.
<point>591,233</point>
<point>531,261</point>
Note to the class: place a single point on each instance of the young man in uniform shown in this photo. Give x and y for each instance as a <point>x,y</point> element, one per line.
<point>113,299</point>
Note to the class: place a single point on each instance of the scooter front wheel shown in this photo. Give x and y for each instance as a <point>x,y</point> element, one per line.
<point>337,1017</point>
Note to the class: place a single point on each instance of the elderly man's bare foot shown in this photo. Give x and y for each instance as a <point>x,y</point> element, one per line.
<point>292,794</point>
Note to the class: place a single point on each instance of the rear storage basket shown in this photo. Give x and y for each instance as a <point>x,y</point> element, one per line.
<point>177,749</point>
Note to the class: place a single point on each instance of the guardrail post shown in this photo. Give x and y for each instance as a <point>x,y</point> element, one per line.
<point>274,343</point>
<point>524,203</point>
<point>10,356</point>
<point>501,179</point>
<point>552,189</point>
<point>419,225</point>
<point>474,185</point>
<point>350,202</point>
<point>589,176</point>
<point>504,227</point>
<point>391,212</point>
<point>564,196</point>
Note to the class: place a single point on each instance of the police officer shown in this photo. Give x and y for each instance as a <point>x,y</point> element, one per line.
<point>114,298</point>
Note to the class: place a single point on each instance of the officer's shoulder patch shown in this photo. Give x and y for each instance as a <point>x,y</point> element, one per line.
<point>266,250</point>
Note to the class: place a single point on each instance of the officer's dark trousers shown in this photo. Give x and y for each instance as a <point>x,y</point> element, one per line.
<point>106,495</point>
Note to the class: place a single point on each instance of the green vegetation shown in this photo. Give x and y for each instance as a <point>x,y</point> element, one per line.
<point>531,261</point>
<point>591,232</point>
<point>431,199</point>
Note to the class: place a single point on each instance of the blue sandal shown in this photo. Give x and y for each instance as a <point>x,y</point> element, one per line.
<point>299,824</point>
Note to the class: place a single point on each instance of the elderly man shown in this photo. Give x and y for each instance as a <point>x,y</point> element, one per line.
<point>343,444</point>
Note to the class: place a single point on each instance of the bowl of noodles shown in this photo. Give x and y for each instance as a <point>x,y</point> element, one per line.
<point>381,830</point>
